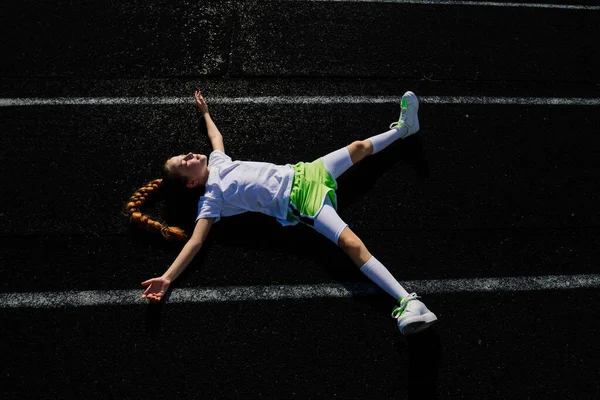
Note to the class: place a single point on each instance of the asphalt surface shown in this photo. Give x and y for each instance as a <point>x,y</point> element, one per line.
<point>484,190</point>
<point>485,346</point>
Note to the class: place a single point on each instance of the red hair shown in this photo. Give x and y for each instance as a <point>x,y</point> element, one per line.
<point>134,205</point>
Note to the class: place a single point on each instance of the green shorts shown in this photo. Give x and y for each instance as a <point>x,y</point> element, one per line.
<point>311,184</point>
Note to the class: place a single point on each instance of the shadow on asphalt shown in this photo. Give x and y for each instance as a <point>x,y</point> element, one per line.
<point>420,352</point>
<point>367,172</point>
<point>154,316</point>
<point>424,356</point>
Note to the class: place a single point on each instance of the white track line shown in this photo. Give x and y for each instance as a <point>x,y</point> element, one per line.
<point>282,100</point>
<point>468,3</point>
<point>281,292</point>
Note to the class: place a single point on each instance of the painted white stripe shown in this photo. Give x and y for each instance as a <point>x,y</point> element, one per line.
<point>282,100</point>
<point>280,292</point>
<point>469,3</point>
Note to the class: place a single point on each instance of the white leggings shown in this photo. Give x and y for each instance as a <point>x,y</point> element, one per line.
<point>327,221</point>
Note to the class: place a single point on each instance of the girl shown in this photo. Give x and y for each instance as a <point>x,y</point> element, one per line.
<point>304,192</point>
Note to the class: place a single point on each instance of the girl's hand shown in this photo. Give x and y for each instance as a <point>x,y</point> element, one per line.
<point>157,289</point>
<point>200,103</point>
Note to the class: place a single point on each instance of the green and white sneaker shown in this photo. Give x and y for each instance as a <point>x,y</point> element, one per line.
<point>412,315</point>
<point>409,108</point>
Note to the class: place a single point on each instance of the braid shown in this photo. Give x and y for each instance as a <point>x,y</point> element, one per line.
<point>134,205</point>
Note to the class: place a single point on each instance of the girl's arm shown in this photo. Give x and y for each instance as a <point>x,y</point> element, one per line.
<point>191,248</point>
<point>216,139</point>
<point>159,286</point>
<point>185,257</point>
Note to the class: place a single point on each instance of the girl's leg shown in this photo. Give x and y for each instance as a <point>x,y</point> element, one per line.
<point>412,315</point>
<point>339,161</point>
<point>328,223</point>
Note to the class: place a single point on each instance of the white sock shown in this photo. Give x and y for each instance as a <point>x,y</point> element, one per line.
<point>382,277</point>
<point>383,140</point>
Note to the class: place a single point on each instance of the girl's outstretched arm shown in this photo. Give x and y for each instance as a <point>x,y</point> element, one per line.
<point>159,286</point>
<point>216,139</point>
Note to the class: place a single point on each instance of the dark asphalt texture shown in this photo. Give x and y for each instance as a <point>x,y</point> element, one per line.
<point>482,191</point>
<point>492,346</point>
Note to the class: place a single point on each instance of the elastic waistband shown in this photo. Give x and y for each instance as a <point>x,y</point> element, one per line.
<point>298,173</point>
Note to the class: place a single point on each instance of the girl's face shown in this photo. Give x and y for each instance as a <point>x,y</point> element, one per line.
<point>192,166</point>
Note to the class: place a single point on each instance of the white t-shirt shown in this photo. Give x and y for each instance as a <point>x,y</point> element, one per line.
<point>234,187</point>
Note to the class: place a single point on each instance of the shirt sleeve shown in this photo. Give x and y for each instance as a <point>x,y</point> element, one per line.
<point>218,159</point>
<point>209,207</point>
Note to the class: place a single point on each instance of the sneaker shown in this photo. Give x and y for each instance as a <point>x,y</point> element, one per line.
<point>409,108</point>
<point>412,315</point>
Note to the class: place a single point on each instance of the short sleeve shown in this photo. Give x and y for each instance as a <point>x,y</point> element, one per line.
<point>209,207</point>
<point>218,159</point>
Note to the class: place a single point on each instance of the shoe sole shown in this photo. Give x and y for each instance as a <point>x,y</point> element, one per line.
<point>414,101</point>
<point>417,323</point>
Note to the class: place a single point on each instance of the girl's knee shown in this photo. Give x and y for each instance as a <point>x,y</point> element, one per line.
<point>360,149</point>
<point>348,240</point>
<point>367,146</point>
<point>354,247</point>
